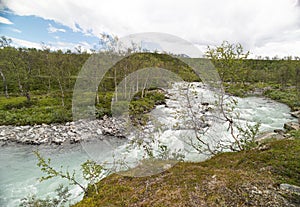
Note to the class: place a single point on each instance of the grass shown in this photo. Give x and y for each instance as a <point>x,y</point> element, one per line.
<point>238,89</point>
<point>249,178</point>
<point>289,96</point>
<point>48,108</point>
<point>141,106</point>
<point>41,109</point>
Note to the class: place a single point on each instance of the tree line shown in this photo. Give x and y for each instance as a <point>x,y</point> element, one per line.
<point>31,73</point>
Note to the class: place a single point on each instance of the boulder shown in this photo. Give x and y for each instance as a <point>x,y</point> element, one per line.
<point>269,135</point>
<point>296,114</point>
<point>291,126</point>
<point>72,132</point>
<point>99,132</point>
<point>279,131</point>
<point>290,188</point>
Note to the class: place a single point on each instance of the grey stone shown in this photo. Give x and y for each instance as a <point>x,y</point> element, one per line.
<point>279,131</point>
<point>290,188</point>
<point>72,132</point>
<point>296,114</point>
<point>99,131</point>
<point>26,127</point>
<point>291,126</point>
<point>2,133</point>
<point>269,135</point>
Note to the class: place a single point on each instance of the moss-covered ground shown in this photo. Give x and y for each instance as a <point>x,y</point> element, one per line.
<point>247,178</point>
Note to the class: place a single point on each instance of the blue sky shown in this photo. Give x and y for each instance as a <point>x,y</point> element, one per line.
<point>34,29</point>
<point>265,28</point>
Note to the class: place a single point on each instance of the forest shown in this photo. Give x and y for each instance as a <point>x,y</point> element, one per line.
<point>36,86</point>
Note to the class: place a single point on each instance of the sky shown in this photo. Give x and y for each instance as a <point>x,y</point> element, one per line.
<point>264,27</point>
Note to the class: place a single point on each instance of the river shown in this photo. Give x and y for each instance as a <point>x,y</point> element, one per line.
<point>19,173</point>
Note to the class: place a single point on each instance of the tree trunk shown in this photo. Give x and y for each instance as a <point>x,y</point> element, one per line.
<point>20,86</point>
<point>137,83</point>
<point>49,85</point>
<point>62,92</point>
<point>144,87</point>
<point>97,97</point>
<point>27,96</point>
<point>4,84</point>
<point>116,86</point>
<point>297,81</point>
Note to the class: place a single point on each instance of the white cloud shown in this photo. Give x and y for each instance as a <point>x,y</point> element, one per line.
<point>68,45</point>
<point>52,29</point>
<point>4,20</point>
<point>16,30</point>
<point>254,23</point>
<point>280,49</point>
<point>24,43</point>
<point>52,45</point>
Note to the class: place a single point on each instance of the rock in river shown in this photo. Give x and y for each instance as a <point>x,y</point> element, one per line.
<point>71,132</point>
<point>292,126</point>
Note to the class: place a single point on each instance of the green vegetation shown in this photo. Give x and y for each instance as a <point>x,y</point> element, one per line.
<point>295,133</point>
<point>36,85</point>
<point>90,170</point>
<point>40,109</point>
<point>61,199</point>
<point>278,79</point>
<point>139,107</point>
<point>228,179</point>
<point>288,96</point>
<point>37,88</point>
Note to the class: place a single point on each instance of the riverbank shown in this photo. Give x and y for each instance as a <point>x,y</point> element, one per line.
<point>70,132</point>
<point>83,130</point>
<point>265,176</point>
<point>288,95</point>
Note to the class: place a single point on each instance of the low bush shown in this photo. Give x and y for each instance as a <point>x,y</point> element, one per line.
<point>287,96</point>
